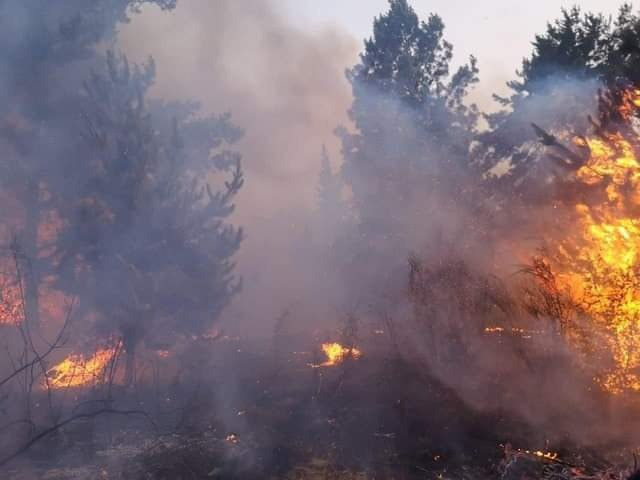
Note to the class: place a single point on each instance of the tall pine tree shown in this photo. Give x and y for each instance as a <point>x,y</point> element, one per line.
<point>147,244</point>
<point>48,49</point>
<point>413,128</point>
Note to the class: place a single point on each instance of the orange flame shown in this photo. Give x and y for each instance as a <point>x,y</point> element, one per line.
<point>541,454</point>
<point>630,103</point>
<point>11,312</point>
<point>76,370</point>
<point>336,354</point>
<point>598,261</point>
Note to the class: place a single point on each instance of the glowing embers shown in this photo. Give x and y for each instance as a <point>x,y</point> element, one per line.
<point>78,370</point>
<point>541,454</point>
<point>513,331</point>
<point>11,305</point>
<point>630,103</point>
<point>336,354</point>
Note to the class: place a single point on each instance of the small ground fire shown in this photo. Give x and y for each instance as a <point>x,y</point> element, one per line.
<point>78,370</point>
<point>336,354</point>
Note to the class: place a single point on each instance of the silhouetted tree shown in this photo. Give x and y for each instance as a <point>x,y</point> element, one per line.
<point>556,86</point>
<point>147,242</point>
<point>413,127</point>
<point>47,48</point>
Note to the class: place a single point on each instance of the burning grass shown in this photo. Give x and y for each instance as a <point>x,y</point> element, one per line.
<point>336,354</point>
<point>78,370</point>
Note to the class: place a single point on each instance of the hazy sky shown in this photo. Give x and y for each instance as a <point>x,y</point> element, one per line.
<point>497,32</point>
<point>279,66</point>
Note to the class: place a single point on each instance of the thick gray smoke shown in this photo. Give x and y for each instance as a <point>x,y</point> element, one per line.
<point>286,87</point>
<point>417,298</point>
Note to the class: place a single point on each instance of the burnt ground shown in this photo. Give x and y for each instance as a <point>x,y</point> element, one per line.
<point>235,412</point>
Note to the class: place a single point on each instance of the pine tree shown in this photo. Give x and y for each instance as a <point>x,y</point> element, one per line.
<point>48,48</point>
<point>413,127</point>
<point>147,245</point>
<point>576,54</point>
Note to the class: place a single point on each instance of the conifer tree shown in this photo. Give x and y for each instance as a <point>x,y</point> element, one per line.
<point>147,243</point>
<point>575,56</point>
<point>47,51</point>
<point>413,126</point>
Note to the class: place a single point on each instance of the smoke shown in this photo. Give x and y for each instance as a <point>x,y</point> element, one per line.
<point>286,88</point>
<point>527,369</point>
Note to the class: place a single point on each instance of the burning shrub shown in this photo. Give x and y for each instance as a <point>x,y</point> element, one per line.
<point>591,268</point>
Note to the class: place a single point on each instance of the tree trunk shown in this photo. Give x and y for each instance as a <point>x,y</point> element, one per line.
<point>29,261</point>
<point>130,363</point>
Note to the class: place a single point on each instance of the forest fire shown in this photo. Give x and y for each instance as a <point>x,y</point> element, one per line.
<point>630,102</point>
<point>10,306</point>
<point>360,267</point>
<point>77,370</point>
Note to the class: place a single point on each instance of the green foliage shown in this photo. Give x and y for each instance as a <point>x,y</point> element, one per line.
<point>576,45</point>
<point>47,51</point>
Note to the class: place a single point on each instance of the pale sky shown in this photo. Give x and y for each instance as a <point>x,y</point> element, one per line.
<point>497,32</point>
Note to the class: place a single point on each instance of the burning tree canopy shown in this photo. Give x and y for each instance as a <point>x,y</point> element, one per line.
<point>575,186</point>
<point>595,261</point>
<point>576,54</point>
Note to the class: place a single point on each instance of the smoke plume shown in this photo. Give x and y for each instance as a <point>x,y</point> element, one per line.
<point>286,87</point>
